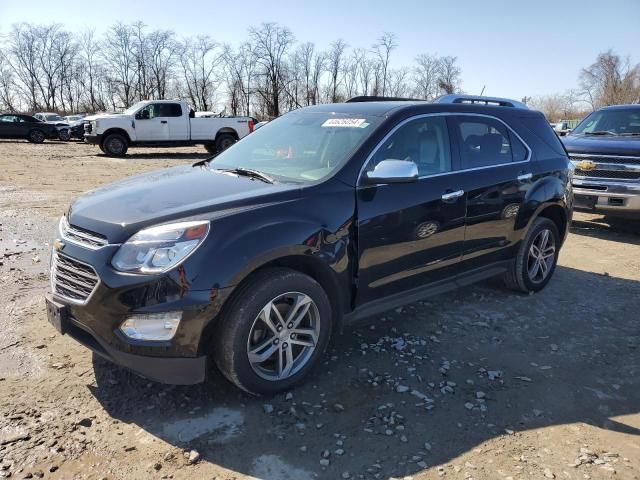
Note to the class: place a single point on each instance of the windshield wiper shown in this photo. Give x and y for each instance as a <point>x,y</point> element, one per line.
<point>630,134</point>
<point>601,132</point>
<point>249,172</point>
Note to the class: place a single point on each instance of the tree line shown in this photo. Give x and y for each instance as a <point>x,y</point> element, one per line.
<point>610,80</point>
<point>47,67</point>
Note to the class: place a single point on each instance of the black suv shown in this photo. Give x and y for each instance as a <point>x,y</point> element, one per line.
<point>325,215</point>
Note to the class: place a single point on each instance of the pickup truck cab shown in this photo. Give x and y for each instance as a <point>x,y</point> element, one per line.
<point>605,151</point>
<point>163,123</point>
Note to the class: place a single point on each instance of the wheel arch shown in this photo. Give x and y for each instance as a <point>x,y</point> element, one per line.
<point>230,130</point>
<point>117,130</point>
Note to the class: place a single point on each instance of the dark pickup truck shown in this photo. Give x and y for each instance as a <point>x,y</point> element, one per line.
<point>605,151</point>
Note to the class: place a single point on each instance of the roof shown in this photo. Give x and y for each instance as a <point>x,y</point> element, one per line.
<point>622,107</point>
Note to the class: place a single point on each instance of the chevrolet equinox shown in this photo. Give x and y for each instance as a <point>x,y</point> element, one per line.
<point>328,214</point>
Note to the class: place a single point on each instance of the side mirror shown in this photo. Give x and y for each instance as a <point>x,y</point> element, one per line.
<point>142,115</point>
<point>393,171</point>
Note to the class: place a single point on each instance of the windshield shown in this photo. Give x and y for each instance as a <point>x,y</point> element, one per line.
<point>133,108</point>
<point>300,146</point>
<point>54,118</point>
<point>611,122</point>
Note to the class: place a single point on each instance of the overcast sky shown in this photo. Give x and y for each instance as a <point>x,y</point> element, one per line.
<point>513,48</point>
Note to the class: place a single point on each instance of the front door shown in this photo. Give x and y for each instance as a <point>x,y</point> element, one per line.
<point>497,180</point>
<point>150,125</point>
<point>410,234</point>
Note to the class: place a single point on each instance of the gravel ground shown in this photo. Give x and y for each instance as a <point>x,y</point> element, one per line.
<point>480,383</point>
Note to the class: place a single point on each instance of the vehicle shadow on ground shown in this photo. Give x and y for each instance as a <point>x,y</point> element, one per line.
<point>561,356</point>
<point>164,155</point>
<point>617,229</point>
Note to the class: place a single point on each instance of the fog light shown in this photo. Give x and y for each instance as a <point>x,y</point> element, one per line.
<point>152,326</point>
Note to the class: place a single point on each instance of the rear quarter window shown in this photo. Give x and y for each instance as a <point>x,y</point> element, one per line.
<point>539,126</point>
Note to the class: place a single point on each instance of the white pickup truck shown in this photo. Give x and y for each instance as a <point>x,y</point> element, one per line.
<point>163,123</point>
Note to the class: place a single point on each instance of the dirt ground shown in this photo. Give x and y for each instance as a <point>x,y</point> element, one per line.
<point>480,383</point>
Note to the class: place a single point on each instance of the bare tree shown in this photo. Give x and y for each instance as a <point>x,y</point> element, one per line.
<point>272,43</point>
<point>449,80</point>
<point>119,54</point>
<point>610,80</point>
<point>426,76</point>
<point>334,66</point>
<point>383,48</point>
<point>199,58</point>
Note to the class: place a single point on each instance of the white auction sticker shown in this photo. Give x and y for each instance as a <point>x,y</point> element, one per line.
<point>344,122</point>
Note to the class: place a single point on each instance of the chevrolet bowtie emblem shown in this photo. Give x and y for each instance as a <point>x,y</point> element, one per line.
<point>58,244</point>
<point>586,165</point>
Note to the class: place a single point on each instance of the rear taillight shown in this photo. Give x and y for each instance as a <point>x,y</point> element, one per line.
<point>250,125</point>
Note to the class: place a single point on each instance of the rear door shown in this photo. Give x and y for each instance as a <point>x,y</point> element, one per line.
<point>410,234</point>
<point>12,126</point>
<point>176,120</point>
<point>497,177</point>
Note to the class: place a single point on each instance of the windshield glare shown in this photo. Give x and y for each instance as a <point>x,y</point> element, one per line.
<point>300,146</point>
<point>616,122</point>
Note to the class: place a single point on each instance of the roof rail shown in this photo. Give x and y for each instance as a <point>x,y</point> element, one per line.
<point>495,101</point>
<point>376,98</point>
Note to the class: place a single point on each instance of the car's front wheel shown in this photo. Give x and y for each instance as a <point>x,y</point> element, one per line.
<point>64,135</point>
<point>115,145</point>
<point>273,332</point>
<point>537,257</point>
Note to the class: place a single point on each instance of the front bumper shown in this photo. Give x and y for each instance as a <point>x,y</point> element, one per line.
<point>96,322</point>
<point>611,197</point>
<point>93,138</point>
<point>171,370</point>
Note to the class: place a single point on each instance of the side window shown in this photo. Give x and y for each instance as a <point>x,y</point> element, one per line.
<point>483,142</point>
<point>518,149</point>
<point>168,110</point>
<point>8,118</point>
<point>424,141</point>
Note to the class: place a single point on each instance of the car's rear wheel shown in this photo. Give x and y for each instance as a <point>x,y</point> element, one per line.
<point>36,136</point>
<point>273,332</point>
<point>537,257</point>
<point>115,145</point>
<point>224,141</point>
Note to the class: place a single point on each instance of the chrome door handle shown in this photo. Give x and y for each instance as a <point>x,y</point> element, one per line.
<point>525,177</point>
<point>452,195</point>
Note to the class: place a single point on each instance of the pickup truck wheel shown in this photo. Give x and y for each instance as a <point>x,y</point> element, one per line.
<point>211,148</point>
<point>224,141</point>
<point>273,332</point>
<point>36,136</point>
<point>115,145</point>
<point>537,257</point>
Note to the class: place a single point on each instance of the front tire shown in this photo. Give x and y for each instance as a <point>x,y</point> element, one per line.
<point>64,135</point>
<point>36,136</point>
<point>273,332</point>
<point>537,257</point>
<point>115,145</point>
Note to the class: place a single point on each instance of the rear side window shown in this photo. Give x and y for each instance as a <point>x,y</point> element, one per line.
<point>518,149</point>
<point>483,142</point>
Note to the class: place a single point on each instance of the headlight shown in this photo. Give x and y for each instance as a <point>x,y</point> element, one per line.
<point>158,249</point>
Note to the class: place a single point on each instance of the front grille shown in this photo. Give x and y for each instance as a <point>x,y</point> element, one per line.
<point>618,174</point>
<point>81,236</point>
<point>615,159</point>
<point>72,280</point>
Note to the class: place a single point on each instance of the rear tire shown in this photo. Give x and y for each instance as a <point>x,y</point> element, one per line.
<point>115,145</point>
<point>537,257</point>
<point>36,136</point>
<point>273,332</point>
<point>224,141</point>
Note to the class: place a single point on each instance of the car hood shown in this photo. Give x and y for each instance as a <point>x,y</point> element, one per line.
<point>118,210</point>
<point>103,116</point>
<point>602,145</point>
